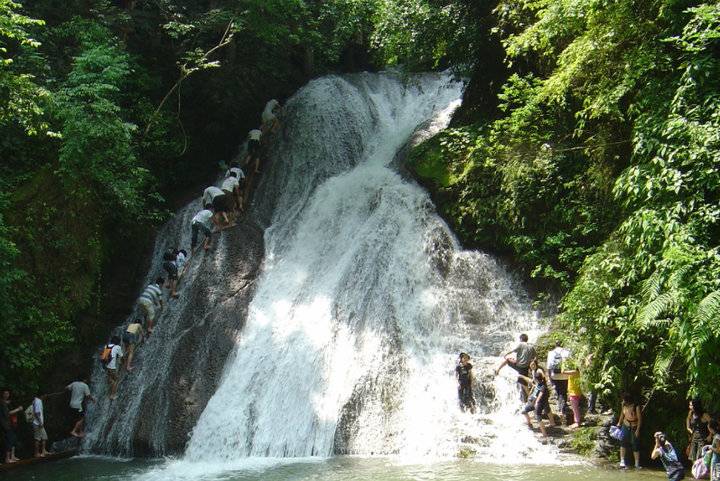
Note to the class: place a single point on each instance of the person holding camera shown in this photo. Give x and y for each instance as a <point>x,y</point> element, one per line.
<point>668,456</point>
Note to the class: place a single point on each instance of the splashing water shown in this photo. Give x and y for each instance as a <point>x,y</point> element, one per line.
<point>365,298</point>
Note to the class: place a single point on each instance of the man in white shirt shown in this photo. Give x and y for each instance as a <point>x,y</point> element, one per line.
<point>79,394</point>
<point>269,116</point>
<point>39,433</point>
<point>113,366</point>
<point>219,202</point>
<point>202,222</point>
<point>554,361</point>
<point>253,148</point>
<point>231,187</point>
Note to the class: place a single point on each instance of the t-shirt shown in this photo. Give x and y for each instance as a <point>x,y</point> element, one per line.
<point>203,217</point>
<point>524,354</point>
<point>463,374</point>
<point>134,328</point>
<point>78,392</point>
<point>116,352</point>
<point>555,358</point>
<point>255,134</point>
<point>210,194</point>
<point>152,292</point>
<point>4,416</point>
<point>574,385</point>
<point>180,260</point>
<point>238,172</point>
<point>37,406</point>
<point>230,184</point>
<point>670,461</point>
<point>268,115</point>
<point>540,388</point>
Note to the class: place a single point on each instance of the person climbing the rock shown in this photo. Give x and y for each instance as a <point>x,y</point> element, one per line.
<point>554,362</point>
<point>171,268</point>
<point>524,353</point>
<point>151,302</point>
<point>231,187</point>
<point>112,368</point>
<point>539,400</point>
<point>464,375</point>
<point>79,396</point>
<point>38,423</point>
<point>630,422</point>
<point>203,222</point>
<point>270,122</point>
<point>9,438</point>
<point>219,202</point>
<point>132,336</point>
<point>253,149</point>
<point>668,456</point>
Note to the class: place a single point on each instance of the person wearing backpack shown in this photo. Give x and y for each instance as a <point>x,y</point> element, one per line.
<point>554,368</point>
<point>110,358</point>
<point>38,423</point>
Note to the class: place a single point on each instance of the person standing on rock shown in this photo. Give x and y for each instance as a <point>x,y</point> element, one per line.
<point>630,422</point>
<point>79,395</point>
<point>696,425</point>
<point>39,434</point>
<point>554,363</point>
<point>524,354</point>
<point>668,456</point>
<point>539,400</point>
<point>464,375</point>
<point>9,438</point>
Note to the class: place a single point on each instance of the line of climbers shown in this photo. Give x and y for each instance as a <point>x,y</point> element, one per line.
<point>221,207</point>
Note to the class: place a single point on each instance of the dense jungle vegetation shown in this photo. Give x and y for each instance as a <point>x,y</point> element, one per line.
<point>587,149</point>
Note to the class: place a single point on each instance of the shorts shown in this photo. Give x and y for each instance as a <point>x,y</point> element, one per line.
<point>129,338</point>
<point>148,308</point>
<point>253,147</point>
<point>10,439</point>
<point>39,434</point>
<point>522,370</point>
<point>220,203</point>
<point>466,397</point>
<point>629,438</point>
<point>112,374</point>
<point>77,414</point>
<point>676,475</point>
<point>542,409</point>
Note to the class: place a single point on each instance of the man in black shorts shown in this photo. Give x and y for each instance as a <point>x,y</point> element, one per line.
<point>219,202</point>
<point>79,395</point>
<point>524,354</point>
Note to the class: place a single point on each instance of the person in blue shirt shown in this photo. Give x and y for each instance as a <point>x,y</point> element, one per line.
<point>668,456</point>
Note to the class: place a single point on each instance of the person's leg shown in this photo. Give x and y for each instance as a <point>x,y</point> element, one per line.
<point>592,399</point>
<point>193,238</point>
<point>635,442</point>
<point>37,446</point>
<point>208,238</point>
<point>561,389</point>
<point>575,405</point>
<point>77,428</point>
<point>43,451</point>
<point>131,353</point>
<point>622,456</point>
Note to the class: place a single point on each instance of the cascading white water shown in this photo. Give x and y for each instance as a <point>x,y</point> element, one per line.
<point>365,299</point>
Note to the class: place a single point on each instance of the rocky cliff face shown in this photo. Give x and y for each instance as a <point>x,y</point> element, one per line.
<point>178,368</point>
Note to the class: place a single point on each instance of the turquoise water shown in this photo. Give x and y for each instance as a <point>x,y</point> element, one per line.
<point>334,469</point>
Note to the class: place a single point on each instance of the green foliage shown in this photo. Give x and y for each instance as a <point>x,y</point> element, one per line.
<point>582,440</point>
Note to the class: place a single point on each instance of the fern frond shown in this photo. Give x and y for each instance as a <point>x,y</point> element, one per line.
<point>664,303</point>
<point>708,312</point>
<point>650,287</point>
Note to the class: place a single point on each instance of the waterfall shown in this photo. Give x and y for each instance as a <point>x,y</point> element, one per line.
<point>345,339</point>
<point>365,298</point>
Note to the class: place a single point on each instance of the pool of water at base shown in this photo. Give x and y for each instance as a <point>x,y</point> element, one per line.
<point>91,468</point>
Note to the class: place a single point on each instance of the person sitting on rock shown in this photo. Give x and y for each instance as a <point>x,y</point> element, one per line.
<point>464,375</point>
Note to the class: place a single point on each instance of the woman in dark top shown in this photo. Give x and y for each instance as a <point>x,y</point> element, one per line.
<point>6,426</point>
<point>697,426</point>
<point>464,375</point>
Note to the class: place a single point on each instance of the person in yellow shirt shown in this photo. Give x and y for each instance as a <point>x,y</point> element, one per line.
<point>574,394</point>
